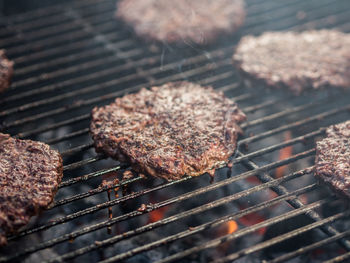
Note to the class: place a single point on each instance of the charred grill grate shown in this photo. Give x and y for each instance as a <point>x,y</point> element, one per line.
<point>71,58</point>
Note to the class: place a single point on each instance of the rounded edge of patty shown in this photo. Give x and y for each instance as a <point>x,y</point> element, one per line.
<point>332,161</point>
<point>6,71</point>
<point>42,167</point>
<point>297,61</point>
<point>193,156</point>
<point>180,23</point>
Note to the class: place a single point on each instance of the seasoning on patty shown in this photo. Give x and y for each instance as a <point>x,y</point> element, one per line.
<point>29,176</point>
<point>297,61</point>
<point>333,158</point>
<point>170,131</point>
<point>199,21</point>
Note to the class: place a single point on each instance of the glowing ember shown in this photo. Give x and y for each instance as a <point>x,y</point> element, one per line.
<point>284,153</point>
<point>253,219</point>
<point>253,180</point>
<point>157,215</point>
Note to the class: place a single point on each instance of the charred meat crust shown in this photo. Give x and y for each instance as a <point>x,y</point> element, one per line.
<point>332,165</point>
<point>170,131</point>
<point>6,71</point>
<point>29,176</point>
<point>298,61</point>
<point>199,21</point>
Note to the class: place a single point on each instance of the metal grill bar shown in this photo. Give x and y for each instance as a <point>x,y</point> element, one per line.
<point>57,39</point>
<point>235,161</point>
<point>277,146</point>
<point>241,142</point>
<point>91,102</point>
<point>191,231</point>
<point>301,138</point>
<point>69,70</point>
<point>309,248</point>
<point>108,6</point>
<point>74,47</point>
<point>167,202</point>
<point>68,136</point>
<point>89,145</point>
<point>54,126</point>
<point>341,258</point>
<point>218,241</point>
<point>84,162</point>
<point>294,125</point>
<point>282,114</point>
<point>273,132</point>
<point>281,238</point>
<point>46,114</point>
<point>39,31</point>
<point>50,31</point>
<point>44,13</point>
<point>30,27</point>
<point>85,131</point>
<point>286,127</point>
<point>170,66</point>
<point>157,224</point>
<point>88,176</point>
<point>80,148</point>
<point>193,250</point>
<point>98,51</point>
<point>79,164</point>
<point>119,68</point>
<point>105,42</point>
<point>329,230</point>
<point>71,26</point>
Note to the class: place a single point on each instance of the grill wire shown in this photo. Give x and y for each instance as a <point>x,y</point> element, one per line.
<point>69,59</point>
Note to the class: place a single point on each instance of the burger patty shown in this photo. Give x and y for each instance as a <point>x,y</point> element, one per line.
<point>298,61</point>
<point>170,131</point>
<point>199,21</point>
<point>6,71</point>
<point>333,158</point>
<point>29,176</point>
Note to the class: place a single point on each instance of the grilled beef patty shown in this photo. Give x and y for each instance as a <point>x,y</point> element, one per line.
<point>199,21</point>
<point>6,71</point>
<point>311,59</point>
<point>170,131</point>
<point>29,176</point>
<point>333,158</point>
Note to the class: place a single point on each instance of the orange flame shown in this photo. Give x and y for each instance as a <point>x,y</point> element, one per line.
<point>284,153</point>
<point>226,228</point>
<point>232,226</point>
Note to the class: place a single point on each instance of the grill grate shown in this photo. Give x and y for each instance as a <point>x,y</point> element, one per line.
<point>72,58</point>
